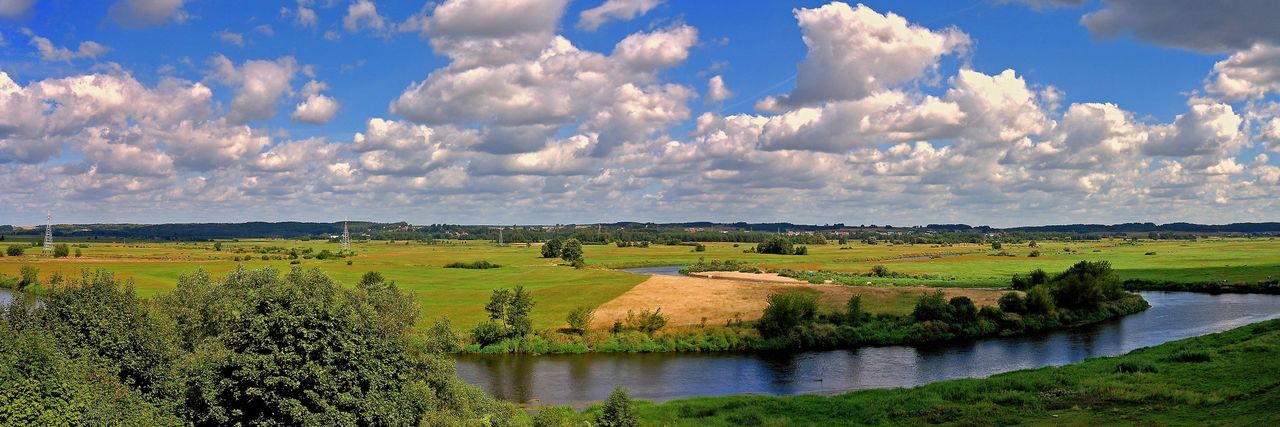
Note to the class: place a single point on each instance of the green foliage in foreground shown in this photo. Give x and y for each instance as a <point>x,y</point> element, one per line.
<point>1221,379</point>
<point>255,348</point>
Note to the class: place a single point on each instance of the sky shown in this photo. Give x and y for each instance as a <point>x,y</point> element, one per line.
<point>990,112</point>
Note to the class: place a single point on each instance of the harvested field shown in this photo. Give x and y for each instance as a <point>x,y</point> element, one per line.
<point>687,300</point>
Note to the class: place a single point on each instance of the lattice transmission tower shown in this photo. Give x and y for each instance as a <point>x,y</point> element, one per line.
<point>346,237</point>
<point>48,232</point>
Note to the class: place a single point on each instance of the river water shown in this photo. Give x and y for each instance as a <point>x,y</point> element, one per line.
<point>581,379</point>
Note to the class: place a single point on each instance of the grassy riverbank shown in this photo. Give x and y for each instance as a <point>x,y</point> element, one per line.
<point>1228,378</point>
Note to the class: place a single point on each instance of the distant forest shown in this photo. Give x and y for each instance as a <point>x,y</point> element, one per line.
<point>622,232</point>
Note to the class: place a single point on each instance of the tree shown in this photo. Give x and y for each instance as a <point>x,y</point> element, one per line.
<point>618,410</point>
<point>30,276</point>
<point>572,251</point>
<point>933,306</point>
<point>777,245</point>
<point>78,253</point>
<point>497,306</point>
<point>963,309</point>
<point>518,314</point>
<point>1086,285</point>
<point>217,246</point>
<point>879,270</point>
<point>551,249</point>
<point>579,319</point>
<point>61,250</point>
<point>787,310</point>
<point>853,310</point>
<point>14,250</point>
<point>1040,300</point>
<point>1035,277</point>
<point>1013,303</point>
<point>997,246</point>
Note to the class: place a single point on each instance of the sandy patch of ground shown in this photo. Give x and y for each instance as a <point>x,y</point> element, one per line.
<point>687,300</point>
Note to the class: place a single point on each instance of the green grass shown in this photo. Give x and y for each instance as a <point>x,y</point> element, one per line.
<point>1229,378</point>
<point>461,293</point>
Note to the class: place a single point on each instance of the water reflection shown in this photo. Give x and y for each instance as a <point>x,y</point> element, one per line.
<point>580,379</point>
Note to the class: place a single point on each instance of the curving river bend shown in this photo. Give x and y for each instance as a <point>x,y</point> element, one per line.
<point>578,380</point>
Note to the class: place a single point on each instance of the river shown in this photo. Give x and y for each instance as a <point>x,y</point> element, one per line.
<point>578,380</point>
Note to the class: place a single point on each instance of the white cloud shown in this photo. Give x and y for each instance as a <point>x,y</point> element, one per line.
<point>259,85</point>
<point>611,10</point>
<point>50,52</point>
<point>1204,130</point>
<point>656,50</point>
<point>717,91</point>
<point>315,108</point>
<point>363,14</point>
<point>842,39</point>
<point>146,13</point>
<point>15,8</point>
<point>230,37</point>
<point>1247,74</point>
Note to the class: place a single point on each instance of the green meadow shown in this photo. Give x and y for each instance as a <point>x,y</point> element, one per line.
<point>460,294</point>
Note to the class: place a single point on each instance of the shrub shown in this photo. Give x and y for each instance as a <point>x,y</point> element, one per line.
<point>488,333</point>
<point>776,245</point>
<point>551,249</point>
<point>78,253</point>
<point>1191,356</point>
<point>579,319</point>
<point>646,321</point>
<point>1035,277</point>
<point>1150,253</point>
<point>932,306</point>
<point>699,247</point>
<point>477,265</point>
<point>14,251</point>
<point>28,276</point>
<point>618,410</point>
<point>1040,300</point>
<point>1086,285</point>
<point>963,309</point>
<point>572,250</point>
<point>802,250</point>
<point>1013,303</point>
<point>1034,254</point>
<point>879,271</point>
<point>61,250</point>
<point>786,311</point>
<point>997,246</point>
<point>853,312</point>
<point>555,416</point>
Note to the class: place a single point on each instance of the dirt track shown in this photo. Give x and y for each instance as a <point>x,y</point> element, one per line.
<point>686,300</point>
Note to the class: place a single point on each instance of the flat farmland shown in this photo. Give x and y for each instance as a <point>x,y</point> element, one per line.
<point>460,294</point>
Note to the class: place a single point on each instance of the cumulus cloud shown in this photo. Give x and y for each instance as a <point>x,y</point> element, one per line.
<point>614,10</point>
<point>50,52</point>
<point>1247,74</point>
<point>230,38</point>
<point>717,91</point>
<point>259,85</point>
<point>1189,24</point>
<point>841,39</point>
<point>146,13</point>
<point>363,14</point>
<point>315,108</point>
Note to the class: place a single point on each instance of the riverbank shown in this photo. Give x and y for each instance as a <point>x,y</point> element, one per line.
<point>830,331</point>
<point>1224,378</point>
<point>1268,287</point>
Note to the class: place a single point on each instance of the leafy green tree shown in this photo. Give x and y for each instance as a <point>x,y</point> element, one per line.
<point>61,250</point>
<point>853,312</point>
<point>14,250</point>
<point>519,318</point>
<point>963,309</point>
<point>572,251</point>
<point>397,310</point>
<point>996,246</point>
<point>551,249</point>
<point>499,302</point>
<point>618,410</point>
<point>1086,285</point>
<point>933,306</point>
<point>1039,300</point>
<point>556,416</point>
<point>1013,303</point>
<point>29,276</point>
<point>217,246</point>
<point>776,245</point>
<point>78,253</point>
<point>787,310</point>
<point>1035,277</point>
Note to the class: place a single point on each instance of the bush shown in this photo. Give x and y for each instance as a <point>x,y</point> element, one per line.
<point>853,312</point>
<point>551,249</point>
<point>932,306</point>
<point>14,251</point>
<point>488,333</point>
<point>1040,300</point>
<point>1086,285</point>
<point>963,309</point>
<point>61,250</point>
<point>555,416</point>
<point>1034,254</point>
<point>1013,303</point>
<point>786,311</point>
<point>28,276</point>
<point>1191,356</point>
<point>572,251</point>
<point>776,245</point>
<point>477,265</point>
<point>78,253</point>
<point>646,321</point>
<point>1035,277</point>
<point>699,247</point>
<point>997,246</point>
<point>802,250</point>
<point>879,271</point>
<point>579,319</point>
<point>618,410</point>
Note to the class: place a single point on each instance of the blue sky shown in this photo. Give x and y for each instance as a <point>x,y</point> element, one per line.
<point>516,111</point>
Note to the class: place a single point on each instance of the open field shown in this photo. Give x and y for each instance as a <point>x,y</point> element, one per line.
<point>460,293</point>
<point>689,301</point>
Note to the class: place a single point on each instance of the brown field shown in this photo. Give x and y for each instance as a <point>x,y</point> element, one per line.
<point>686,301</point>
